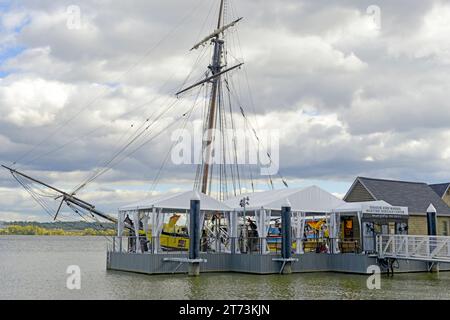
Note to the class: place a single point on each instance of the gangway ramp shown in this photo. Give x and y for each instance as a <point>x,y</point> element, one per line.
<point>408,247</point>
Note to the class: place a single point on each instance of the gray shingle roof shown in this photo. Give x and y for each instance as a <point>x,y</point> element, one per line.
<point>440,188</point>
<point>414,195</point>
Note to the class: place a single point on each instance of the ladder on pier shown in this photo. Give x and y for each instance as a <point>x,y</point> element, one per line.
<point>421,248</point>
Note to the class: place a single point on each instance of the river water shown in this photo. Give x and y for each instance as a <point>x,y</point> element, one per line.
<point>34,267</point>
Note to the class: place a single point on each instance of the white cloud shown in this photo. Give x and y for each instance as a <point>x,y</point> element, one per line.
<point>32,101</point>
<point>352,27</point>
<point>429,42</point>
<point>285,54</point>
<point>38,61</point>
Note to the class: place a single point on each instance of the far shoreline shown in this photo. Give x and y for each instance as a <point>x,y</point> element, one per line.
<point>34,230</point>
<point>53,235</point>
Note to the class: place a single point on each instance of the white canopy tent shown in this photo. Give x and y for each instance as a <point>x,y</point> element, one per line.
<point>264,205</point>
<point>178,201</point>
<point>156,208</point>
<point>306,203</point>
<point>366,212</point>
<point>310,199</point>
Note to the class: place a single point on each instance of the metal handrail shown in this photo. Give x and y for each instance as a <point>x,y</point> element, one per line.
<point>425,248</point>
<point>242,245</point>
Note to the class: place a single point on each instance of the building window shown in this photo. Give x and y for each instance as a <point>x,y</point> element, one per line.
<point>444,225</point>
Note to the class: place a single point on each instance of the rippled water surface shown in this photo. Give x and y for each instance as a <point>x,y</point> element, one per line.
<point>35,268</point>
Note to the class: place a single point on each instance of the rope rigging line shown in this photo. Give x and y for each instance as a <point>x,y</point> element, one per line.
<point>136,149</point>
<point>226,175</point>
<point>137,135</point>
<point>235,40</point>
<point>256,136</point>
<point>127,113</point>
<point>141,136</point>
<point>249,166</point>
<point>28,186</point>
<point>158,175</point>
<point>233,128</point>
<point>219,174</point>
<point>143,128</point>
<point>50,211</point>
<point>199,170</point>
<point>89,133</point>
<point>84,214</point>
<point>36,198</point>
<point>226,150</point>
<point>222,167</point>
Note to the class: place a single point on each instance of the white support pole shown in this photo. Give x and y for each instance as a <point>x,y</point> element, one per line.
<point>145,222</point>
<point>268,218</point>
<point>153,219</point>
<point>264,230</point>
<point>361,236</point>
<point>153,229</point>
<point>159,227</point>
<point>120,223</point>
<point>234,231</point>
<point>300,226</point>
<point>216,238</point>
<point>335,233</point>
<point>329,221</point>
<point>260,227</point>
<point>136,222</point>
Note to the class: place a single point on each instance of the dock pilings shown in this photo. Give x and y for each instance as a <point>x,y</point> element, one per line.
<point>286,242</point>
<point>432,231</point>
<point>194,237</point>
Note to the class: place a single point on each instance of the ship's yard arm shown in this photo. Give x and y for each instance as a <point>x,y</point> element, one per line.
<point>66,197</point>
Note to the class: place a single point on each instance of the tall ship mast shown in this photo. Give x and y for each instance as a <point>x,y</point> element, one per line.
<point>216,71</point>
<point>216,68</point>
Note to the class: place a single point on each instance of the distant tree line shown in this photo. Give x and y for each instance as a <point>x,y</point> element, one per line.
<point>77,228</point>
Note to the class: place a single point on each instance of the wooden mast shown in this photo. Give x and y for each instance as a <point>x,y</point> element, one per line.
<point>203,180</point>
<point>216,68</point>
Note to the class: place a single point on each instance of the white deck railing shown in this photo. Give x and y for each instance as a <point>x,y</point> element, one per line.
<point>424,248</point>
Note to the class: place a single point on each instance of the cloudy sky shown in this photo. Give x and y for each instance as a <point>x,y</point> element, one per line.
<point>355,88</point>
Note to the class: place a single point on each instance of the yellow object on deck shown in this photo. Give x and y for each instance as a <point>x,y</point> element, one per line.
<point>174,237</point>
<point>316,225</point>
<point>170,242</point>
